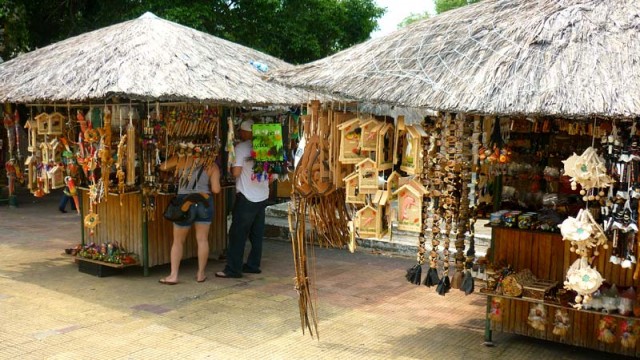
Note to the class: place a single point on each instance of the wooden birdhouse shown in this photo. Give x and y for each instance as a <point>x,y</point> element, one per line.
<point>366,220</point>
<point>410,196</point>
<point>350,142</point>
<point>55,151</point>
<point>32,129</point>
<point>381,200</point>
<point>392,184</point>
<point>399,132</point>
<point>56,174</point>
<point>412,149</point>
<point>384,146</point>
<point>368,131</point>
<point>56,124</point>
<point>353,194</point>
<point>45,153</point>
<point>30,166</point>
<point>50,124</point>
<point>367,176</point>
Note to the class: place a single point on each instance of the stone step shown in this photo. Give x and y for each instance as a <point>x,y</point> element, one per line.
<point>397,242</point>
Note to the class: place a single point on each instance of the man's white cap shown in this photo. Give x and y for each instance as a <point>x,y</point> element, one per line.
<point>246,125</point>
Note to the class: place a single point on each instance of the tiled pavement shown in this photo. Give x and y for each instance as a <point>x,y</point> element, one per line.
<point>50,310</point>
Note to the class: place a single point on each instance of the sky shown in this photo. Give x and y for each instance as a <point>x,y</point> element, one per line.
<point>397,10</point>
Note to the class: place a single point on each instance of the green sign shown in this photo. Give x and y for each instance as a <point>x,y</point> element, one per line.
<point>267,142</point>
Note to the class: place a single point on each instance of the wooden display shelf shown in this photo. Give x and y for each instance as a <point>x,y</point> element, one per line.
<point>104,263</point>
<point>583,328</point>
<point>561,306</point>
<point>548,257</point>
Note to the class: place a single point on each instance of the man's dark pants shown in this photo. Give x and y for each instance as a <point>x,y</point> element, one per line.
<point>247,221</point>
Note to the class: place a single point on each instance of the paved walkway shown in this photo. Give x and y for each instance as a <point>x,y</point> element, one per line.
<point>50,310</point>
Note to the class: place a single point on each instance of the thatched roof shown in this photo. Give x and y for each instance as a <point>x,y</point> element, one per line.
<point>539,57</point>
<point>147,58</point>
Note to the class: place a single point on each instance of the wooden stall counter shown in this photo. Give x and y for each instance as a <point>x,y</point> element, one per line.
<point>150,238</point>
<point>548,257</point>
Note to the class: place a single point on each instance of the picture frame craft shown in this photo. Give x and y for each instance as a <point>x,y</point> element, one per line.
<point>367,176</point>
<point>350,152</point>
<point>412,150</point>
<point>368,134</point>
<point>267,142</point>
<point>410,196</point>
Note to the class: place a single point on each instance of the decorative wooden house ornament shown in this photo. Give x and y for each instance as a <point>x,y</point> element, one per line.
<point>384,146</point>
<point>42,123</point>
<point>367,176</point>
<point>366,221</point>
<point>50,124</point>
<point>45,153</point>
<point>32,179</point>
<point>392,184</point>
<point>368,138</point>
<point>350,142</point>
<point>32,133</point>
<point>56,174</point>
<point>56,124</point>
<point>399,132</point>
<point>353,194</point>
<point>410,197</point>
<point>412,150</point>
<point>381,200</point>
<point>55,151</point>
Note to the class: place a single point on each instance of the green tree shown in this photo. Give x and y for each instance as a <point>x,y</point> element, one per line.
<point>296,31</point>
<point>413,17</point>
<point>446,5</point>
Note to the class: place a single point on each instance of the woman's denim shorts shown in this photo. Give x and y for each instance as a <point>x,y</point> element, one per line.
<point>198,213</point>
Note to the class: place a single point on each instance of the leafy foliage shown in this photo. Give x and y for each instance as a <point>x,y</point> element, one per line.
<point>296,31</point>
<point>413,17</point>
<point>446,5</point>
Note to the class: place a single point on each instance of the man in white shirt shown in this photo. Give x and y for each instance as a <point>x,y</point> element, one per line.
<point>248,214</point>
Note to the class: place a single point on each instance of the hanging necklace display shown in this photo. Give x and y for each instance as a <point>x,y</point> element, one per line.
<point>463,167</point>
<point>149,160</point>
<point>414,274</point>
<point>120,174</point>
<point>434,163</point>
<point>105,150</point>
<point>131,151</point>
<point>468,281</point>
<point>448,199</point>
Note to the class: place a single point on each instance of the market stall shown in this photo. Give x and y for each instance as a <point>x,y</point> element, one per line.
<point>105,108</point>
<point>522,86</point>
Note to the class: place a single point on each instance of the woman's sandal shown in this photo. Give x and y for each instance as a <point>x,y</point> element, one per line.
<point>165,282</point>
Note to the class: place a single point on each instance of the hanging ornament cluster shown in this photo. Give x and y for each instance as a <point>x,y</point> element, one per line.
<point>588,170</point>
<point>584,280</point>
<point>584,233</point>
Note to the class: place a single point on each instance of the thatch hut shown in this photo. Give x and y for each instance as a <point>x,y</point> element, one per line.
<point>567,58</point>
<point>545,59</point>
<point>147,59</point>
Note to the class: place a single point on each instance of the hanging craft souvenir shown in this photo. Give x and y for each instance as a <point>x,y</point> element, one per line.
<point>561,323</point>
<point>583,232</point>
<point>368,135</point>
<point>350,152</point>
<point>588,170</point>
<point>607,327</point>
<point>537,317</point>
<point>629,332</point>
<point>268,151</point>
<point>584,280</point>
